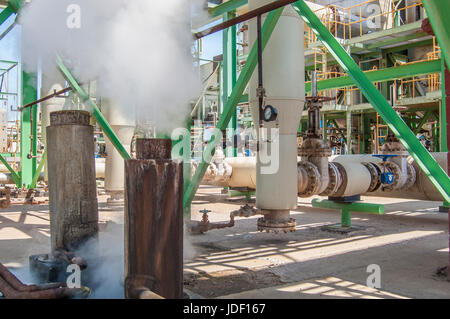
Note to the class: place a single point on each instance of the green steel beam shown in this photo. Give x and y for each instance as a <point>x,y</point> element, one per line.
<point>229,77</point>
<point>443,125</point>
<point>109,132</point>
<point>347,208</point>
<point>5,14</point>
<point>39,169</point>
<point>438,12</point>
<point>28,130</point>
<point>12,8</point>
<point>409,46</point>
<point>422,157</point>
<point>233,100</point>
<point>383,75</point>
<point>226,7</point>
<point>395,40</point>
<point>423,121</point>
<point>14,175</point>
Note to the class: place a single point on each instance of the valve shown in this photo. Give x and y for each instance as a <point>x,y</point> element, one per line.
<point>386,178</point>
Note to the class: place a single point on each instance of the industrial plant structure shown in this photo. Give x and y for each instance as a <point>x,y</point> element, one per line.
<point>316,148</point>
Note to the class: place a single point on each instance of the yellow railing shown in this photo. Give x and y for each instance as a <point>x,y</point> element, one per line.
<point>349,22</point>
<point>433,81</point>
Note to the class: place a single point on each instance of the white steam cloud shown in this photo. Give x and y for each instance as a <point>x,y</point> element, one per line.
<point>138,50</point>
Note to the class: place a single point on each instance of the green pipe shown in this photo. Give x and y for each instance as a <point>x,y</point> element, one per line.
<point>382,75</point>
<point>233,100</point>
<point>16,178</point>
<point>96,111</point>
<point>422,157</point>
<point>438,12</point>
<point>39,169</point>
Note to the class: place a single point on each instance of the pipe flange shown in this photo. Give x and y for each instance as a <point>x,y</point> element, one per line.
<point>276,227</point>
<point>375,173</point>
<point>335,180</point>
<point>394,169</point>
<point>412,175</point>
<point>314,147</point>
<point>313,178</point>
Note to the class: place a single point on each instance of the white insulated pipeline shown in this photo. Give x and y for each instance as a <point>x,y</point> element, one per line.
<point>284,84</point>
<point>349,175</point>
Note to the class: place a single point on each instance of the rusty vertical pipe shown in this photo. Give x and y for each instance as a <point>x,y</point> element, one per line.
<point>154,221</point>
<point>72,184</point>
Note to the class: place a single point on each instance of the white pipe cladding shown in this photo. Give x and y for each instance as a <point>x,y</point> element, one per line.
<point>283,71</point>
<point>244,175</point>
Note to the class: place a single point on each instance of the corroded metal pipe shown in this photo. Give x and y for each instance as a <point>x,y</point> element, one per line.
<point>13,288</point>
<point>154,221</point>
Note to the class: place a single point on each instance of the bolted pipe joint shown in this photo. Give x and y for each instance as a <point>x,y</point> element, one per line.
<point>316,151</point>
<point>404,172</point>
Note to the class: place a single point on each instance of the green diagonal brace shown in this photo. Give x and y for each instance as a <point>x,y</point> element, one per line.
<point>422,157</point>
<point>423,121</point>
<point>12,8</point>
<point>39,170</point>
<point>14,175</point>
<point>5,14</point>
<point>233,100</point>
<point>96,111</point>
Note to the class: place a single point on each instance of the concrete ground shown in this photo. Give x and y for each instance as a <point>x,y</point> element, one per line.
<point>409,243</point>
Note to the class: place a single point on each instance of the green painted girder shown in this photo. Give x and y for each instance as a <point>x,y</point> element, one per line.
<point>422,157</point>
<point>382,75</point>
<point>423,121</point>
<point>404,47</point>
<point>14,175</point>
<point>12,8</point>
<point>438,12</point>
<point>233,100</point>
<point>39,169</point>
<point>5,14</point>
<point>226,7</point>
<point>443,125</point>
<point>229,71</point>
<point>347,208</point>
<point>109,132</point>
<point>28,129</point>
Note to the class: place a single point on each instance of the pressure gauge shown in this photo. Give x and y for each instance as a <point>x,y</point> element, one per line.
<point>270,113</point>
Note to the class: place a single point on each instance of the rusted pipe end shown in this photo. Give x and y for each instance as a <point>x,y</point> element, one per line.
<point>153,148</point>
<point>70,118</point>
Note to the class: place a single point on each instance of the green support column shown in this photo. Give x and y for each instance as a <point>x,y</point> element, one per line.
<point>230,77</point>
<point>422,157</point>
<point>28,130</point>
<point>348,115</point>
<point>443,112</point>
<point>186,157</point>
<point>233,100</point>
